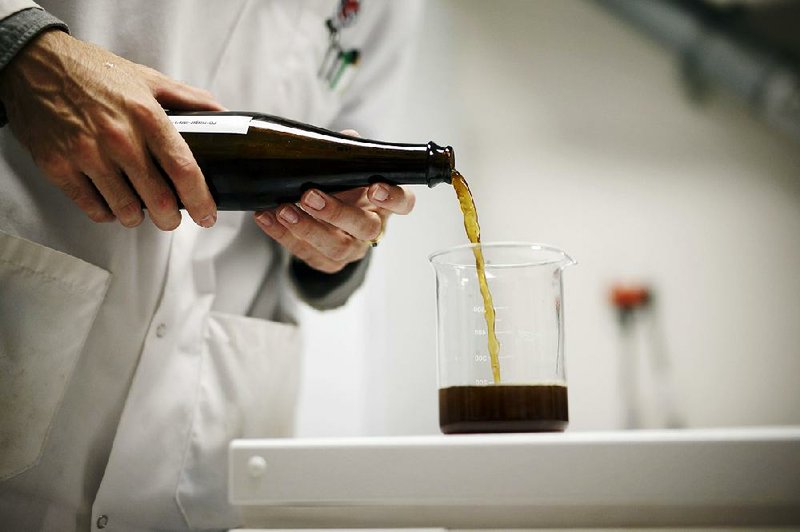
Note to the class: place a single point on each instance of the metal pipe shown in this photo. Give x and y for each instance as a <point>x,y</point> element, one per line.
<point>713,54</point>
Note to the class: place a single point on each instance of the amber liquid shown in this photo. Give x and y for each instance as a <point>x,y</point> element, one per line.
<point>497,407</point>
<point>503,408</point>
<point>474,235</point>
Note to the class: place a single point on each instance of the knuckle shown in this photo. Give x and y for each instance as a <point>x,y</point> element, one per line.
<point>54,165</point>
<point>84,148</point>
<point>305,230</point>
<point>335,212</point>
<point>277,232</point>
<point>86,202</point>
<point>183,168</point>
<point>266,221</point>
<point>114,134</point>
<point>73,191</point>
<point>143,111</point>
<point>163,201</point>
<point>301,251</point>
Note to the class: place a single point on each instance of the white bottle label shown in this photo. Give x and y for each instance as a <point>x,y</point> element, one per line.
<point>212,124</point>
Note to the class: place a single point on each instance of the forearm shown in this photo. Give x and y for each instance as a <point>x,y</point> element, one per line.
<point>17,29</point>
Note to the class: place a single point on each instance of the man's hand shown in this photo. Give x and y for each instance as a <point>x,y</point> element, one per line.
<point>329,231</point>
<point>95,126</point>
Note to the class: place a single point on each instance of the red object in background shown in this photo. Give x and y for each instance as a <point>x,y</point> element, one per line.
<point>630,296</point>
<point>348,9</point>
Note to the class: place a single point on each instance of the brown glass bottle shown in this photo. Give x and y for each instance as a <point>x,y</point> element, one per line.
<point>255,161</point>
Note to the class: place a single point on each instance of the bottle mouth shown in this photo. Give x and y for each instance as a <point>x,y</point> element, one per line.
<point>443,165</point>
<point>451,156</point>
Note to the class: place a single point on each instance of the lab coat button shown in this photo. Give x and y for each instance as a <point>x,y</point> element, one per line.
<point>102,521</point>
<point>161,330</point>
<point>256,466</point>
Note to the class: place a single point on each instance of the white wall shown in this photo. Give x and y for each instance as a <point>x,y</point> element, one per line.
<point>573,130</point>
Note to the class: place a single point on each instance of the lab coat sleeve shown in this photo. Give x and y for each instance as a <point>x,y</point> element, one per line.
<point>9,7</point>
<point>21,21</point>
<point>325,291</point>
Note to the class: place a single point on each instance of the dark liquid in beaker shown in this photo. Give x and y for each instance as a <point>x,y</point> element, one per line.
<point>503,408</point>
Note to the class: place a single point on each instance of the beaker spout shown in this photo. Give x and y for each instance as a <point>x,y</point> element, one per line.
<point>566,261</point>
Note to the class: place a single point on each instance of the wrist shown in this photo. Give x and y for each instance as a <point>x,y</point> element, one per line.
<point>17,33</point>
<point>31,71</point>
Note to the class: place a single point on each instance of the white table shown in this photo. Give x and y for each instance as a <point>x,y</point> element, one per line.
<point>686,478</point>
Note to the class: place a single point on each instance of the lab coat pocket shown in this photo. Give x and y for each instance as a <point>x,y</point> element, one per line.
<point>48,303</point>
<point>248,389</point>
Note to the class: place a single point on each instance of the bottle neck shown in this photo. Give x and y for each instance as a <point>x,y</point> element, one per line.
<point>441,164</point>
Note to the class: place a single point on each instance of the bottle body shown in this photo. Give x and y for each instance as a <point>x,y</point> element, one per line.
<point>253,161</point>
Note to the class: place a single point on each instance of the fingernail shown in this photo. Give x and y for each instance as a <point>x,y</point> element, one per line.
<point>208,220</point>
<point>381,193</point>
<point>265,219</point>
<point>314,200</point>
<point>132,221</point>
<point>289,214</point>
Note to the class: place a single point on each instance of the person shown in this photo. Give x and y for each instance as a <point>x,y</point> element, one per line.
<point>137,340</point>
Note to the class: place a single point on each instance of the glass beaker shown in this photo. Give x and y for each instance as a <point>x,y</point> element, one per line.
<point>525,281</point>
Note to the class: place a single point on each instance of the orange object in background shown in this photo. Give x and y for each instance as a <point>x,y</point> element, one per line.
<point>630,296</point>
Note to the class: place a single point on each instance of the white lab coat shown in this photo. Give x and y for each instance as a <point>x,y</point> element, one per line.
<point>130,358</point>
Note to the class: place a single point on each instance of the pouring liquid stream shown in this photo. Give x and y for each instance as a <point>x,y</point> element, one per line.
<point>474,234</point>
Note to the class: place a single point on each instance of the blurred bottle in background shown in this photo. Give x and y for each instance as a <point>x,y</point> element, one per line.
<point>646,384</point>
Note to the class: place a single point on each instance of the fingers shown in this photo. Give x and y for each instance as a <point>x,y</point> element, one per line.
<point>119,163</point>
<point>77,187</point>
<point>172,154</point>
<point>179,96</point>
<point>176,160</point>
<point>136,166</point>
<point>171,151</point>
<point>328,232</point>
<point>322,247</point>
<point>154,192</point>
<point>108,181</point>
<point>397,200</point>
<point>119,166</point>
<point>119,196</point>
<point>356,221</point>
